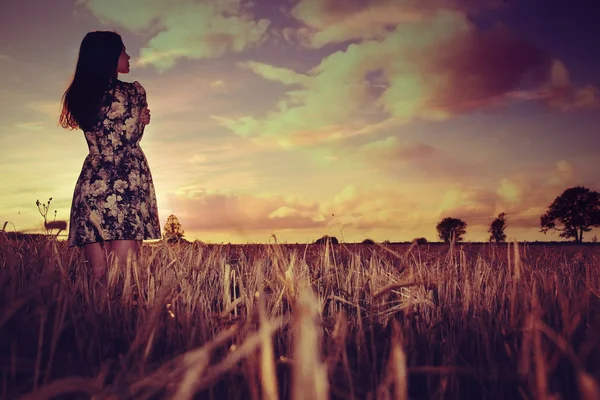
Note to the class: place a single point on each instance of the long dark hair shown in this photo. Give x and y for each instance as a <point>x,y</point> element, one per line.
<point>96,67</point>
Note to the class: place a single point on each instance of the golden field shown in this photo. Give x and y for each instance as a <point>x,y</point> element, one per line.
<point>346,321</point>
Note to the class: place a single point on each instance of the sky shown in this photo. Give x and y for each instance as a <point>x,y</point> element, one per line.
<point>300,118</point>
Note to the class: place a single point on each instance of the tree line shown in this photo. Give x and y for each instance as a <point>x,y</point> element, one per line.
<point>572,213</point>
<point>575,211</point>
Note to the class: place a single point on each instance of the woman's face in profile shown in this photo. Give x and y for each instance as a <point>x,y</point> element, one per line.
<point>123,64</point>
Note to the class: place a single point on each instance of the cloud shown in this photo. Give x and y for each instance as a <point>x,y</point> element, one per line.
<point>561,94</point>
<point>524,196</point>
<point>432,67</point>
<point>200,163</point>
<point>403,160</point>
<point>200,210</point>
<point>190,94</point>
<point>319,107</point>
<point>31,126</point>
<point>5,57</point>
<point>332,21</point>
<point>48,108</point>
<point>475,205</point>
<point>392,148</point>
<point>375,207</point>
<point>476,69</point>
<point>356,210</point>
<point>184,29</point>
<point>273,73</point>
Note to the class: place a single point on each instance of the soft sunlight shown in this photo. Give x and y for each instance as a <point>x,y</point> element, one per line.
<point>299,199</point>
<point>420,111</point>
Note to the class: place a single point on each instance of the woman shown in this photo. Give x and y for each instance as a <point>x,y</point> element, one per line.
<point>114,203</point>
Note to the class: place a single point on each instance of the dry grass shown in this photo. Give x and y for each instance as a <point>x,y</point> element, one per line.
<point>302,322</point>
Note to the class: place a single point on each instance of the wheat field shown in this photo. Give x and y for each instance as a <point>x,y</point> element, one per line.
<point>278,321</point>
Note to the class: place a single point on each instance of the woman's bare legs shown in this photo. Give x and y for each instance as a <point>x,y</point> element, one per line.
<point>95,255</point>
<point>98,257</point>
<point>121,248</point>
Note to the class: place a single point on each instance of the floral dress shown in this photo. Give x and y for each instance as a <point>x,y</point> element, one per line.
<point>114,197</point>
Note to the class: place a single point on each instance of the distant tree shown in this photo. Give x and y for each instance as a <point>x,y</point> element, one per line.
<point>420,241</point>
<point>173,230</point>
<point>368,241</point>
<point>577,209</point>
<point>451,227</point>
<point>325,239</point>
<point>497,229</point>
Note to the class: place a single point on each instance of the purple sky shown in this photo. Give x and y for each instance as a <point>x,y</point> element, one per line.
<point>270,117</point>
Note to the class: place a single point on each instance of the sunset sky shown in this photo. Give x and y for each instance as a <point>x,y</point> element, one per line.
<point>367,118</point>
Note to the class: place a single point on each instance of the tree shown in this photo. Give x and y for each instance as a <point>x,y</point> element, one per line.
<point>173,230</point>
<point>420,241</point>
<point>327,238</point>
<point>497,229</point>
<point>577,209</point>
<point>449,227</point>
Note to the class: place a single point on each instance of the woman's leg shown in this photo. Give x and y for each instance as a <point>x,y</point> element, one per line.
<point>122,248</point>
<point>95,255</point>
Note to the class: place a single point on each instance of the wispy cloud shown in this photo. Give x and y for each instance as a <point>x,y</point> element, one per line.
<point>185,29</point>
<point>408,61</point>
<point>402,160</point>
<point>561,94</point>
<point>243,212</point>
<point>524,195</point>
<point>431,67</point>
<point>48,108</point>
<point>329,21</point>
<point>31,126</point>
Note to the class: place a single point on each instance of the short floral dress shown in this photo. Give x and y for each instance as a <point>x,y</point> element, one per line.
<point>114,197</point>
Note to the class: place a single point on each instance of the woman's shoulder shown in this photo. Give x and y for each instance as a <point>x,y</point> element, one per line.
<point>131,85</point>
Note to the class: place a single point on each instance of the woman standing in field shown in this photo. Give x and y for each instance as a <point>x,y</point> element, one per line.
<point>114,203</point>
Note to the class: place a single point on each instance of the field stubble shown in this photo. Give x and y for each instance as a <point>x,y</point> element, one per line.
<point>302,322</point>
